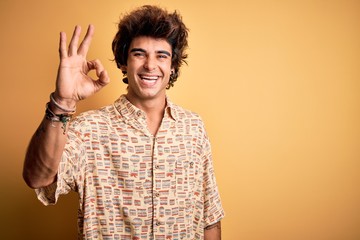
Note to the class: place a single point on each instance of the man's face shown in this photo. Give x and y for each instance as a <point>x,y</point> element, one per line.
<point>148,68</point>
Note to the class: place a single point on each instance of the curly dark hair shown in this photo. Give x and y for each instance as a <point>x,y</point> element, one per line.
<point>152,21</point>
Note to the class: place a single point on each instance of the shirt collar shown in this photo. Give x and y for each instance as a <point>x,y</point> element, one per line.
<point>171,109</point>
<point>129,111</point>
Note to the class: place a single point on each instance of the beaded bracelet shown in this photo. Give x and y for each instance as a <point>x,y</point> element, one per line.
<point>63,118</point>
<point>52,99</point>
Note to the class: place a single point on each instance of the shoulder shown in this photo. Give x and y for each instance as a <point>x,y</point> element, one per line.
<point>191,124</point>
<point>190,119</point>
<point>181,113</point>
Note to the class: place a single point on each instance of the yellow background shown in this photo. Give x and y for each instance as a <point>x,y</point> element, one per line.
<point>276,82</point>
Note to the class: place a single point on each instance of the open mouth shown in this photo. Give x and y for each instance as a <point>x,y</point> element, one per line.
<point>149,77</point>
<point>148,80</point>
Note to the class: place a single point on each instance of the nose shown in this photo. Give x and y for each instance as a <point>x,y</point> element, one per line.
<point>150,63</point>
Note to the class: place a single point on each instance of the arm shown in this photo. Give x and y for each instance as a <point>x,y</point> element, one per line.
<point>213,232</point>
<point>72,85</point>
<point>213,210</point>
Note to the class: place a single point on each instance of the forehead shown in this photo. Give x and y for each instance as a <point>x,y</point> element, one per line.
<point>150,44</point>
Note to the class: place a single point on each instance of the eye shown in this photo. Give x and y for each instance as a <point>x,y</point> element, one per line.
<point>163,56</point>
<point>138,54</point>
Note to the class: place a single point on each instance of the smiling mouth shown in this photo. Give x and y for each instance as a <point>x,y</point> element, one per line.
<point>148,80</point>
<point>151,78</point>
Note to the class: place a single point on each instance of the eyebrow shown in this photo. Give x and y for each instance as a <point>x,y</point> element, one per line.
<point>143,50</point>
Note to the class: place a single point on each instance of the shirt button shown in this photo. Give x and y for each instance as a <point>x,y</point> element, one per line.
<point>191,164</point>
<point>158,223</point>
<point>157,194</point>
<point>157,166</point>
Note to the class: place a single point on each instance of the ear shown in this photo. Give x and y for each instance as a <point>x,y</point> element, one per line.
<point>172,71</point>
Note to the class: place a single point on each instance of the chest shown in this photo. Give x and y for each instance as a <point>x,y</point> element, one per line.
<point>127,155</point>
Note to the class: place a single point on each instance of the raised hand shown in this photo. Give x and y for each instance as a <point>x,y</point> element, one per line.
<point>73,83</point>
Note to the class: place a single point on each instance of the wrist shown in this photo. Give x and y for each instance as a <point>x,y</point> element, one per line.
<point>64,118</point>
<point>55,109</point>
<point>61,105</point>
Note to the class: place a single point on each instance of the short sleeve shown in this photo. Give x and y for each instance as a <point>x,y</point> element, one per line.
<point>68,172</point>
<point>213,210</point>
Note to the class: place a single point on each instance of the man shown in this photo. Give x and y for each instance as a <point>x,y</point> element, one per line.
<point>142,166</point>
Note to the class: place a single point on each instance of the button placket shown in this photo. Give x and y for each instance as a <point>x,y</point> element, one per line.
<point>155,194</point>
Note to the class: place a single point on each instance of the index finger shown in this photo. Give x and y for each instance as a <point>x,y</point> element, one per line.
<point>85,44</point>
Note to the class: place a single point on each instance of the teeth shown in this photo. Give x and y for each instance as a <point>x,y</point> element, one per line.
<point>149,78</point>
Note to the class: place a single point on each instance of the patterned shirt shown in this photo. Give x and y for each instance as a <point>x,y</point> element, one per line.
<point>133,185</point>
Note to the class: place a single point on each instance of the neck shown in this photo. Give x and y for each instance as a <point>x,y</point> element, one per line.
<point>151,107</point>
<point>154,110</point>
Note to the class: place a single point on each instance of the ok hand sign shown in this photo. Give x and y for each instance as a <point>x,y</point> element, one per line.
<point>73,83</point>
